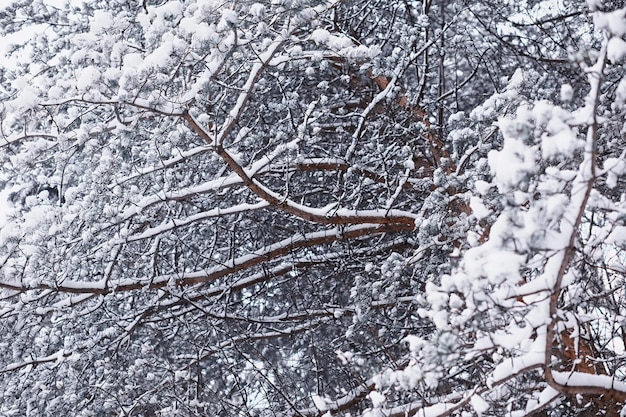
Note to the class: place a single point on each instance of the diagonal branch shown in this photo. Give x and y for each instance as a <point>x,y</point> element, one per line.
<point>577,382</point>
<point>239,264</point>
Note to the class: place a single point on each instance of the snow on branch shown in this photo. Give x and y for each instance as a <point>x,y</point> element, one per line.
<point>241,263</point>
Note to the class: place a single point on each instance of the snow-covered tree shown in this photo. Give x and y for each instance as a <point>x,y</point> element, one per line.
<point>310,207</point>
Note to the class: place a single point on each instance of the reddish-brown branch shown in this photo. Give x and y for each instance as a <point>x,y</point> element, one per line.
<point>246,262</point>
<point>587,177</point>
<point>400,222</point>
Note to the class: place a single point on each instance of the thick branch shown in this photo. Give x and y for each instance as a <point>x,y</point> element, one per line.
<point>239,264</point>
<point>581,190</point>
<point>398,220</point>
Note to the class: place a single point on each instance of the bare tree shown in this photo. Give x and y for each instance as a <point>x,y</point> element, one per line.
<point>307,208</point>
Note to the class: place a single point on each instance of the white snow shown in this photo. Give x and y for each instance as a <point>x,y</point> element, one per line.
<point>26,99</point>
<point>617,236</point>
<point>320,402</point>
<point>88,78</point>
<point>320,36</point>
<point>479,404</point>
<point>478,208</point>
<point>482,187</point>
<point>512,163</point>
<point>230,16</point>
<point>133,60</point>
<point>564,143</point>
<point>170,8</point>
<point>567,93</point>
<point>616,49</point>
<point>613,22</point>
<point>376,398</point>
<point>257,10</point>
<point>533,358</point>
<point>579,379</point>
<point>5,207</point>
<point>101,21</point>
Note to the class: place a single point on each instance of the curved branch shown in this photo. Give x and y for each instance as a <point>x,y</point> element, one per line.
<point>201,277</point>
<point>399,219</point>
<point>582,187</point>
<point>18,138</point>
<point>176,223</point>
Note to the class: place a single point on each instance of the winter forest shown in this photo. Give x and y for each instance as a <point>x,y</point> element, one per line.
<point>313,208</point>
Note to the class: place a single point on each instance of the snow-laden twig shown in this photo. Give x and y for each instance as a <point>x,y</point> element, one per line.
<point>581,190</point>
<point>271,252</point>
